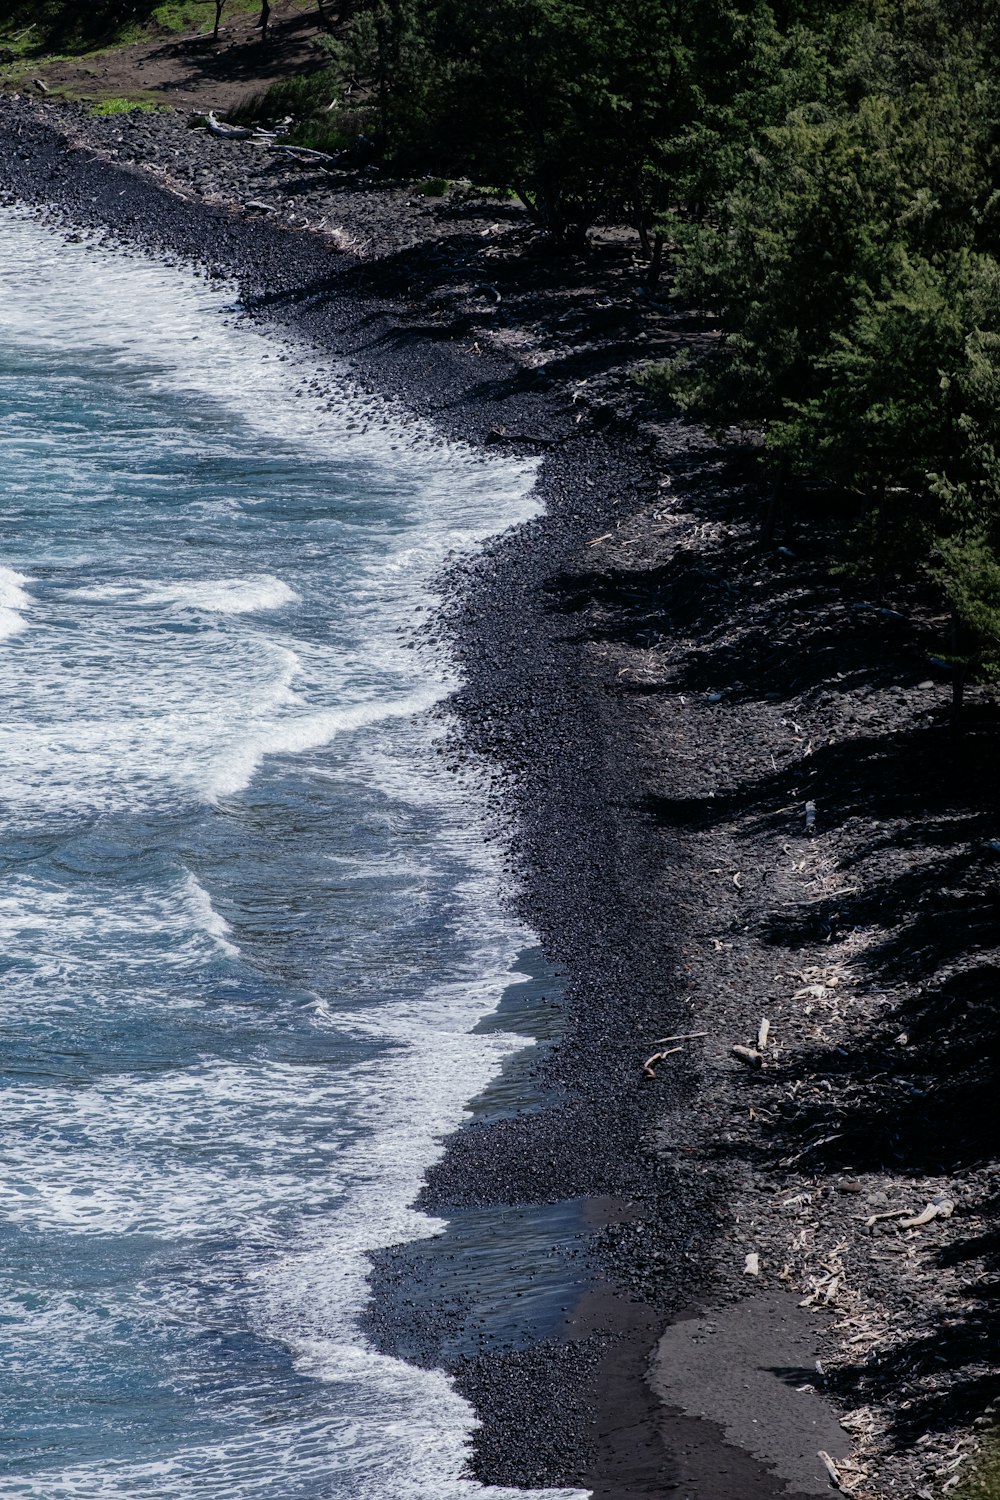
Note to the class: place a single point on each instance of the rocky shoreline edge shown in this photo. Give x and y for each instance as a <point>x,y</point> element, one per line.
<point>665,700</point>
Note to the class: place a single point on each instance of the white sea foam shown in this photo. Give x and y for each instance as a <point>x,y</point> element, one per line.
<point>158,689</point>
<point>293,735</point>
<point>206,919</point>
<point>325,1456</point>
<point>15,601</point>
<point>224,596</point>
<point>145,316</point>
<point>65,940</point>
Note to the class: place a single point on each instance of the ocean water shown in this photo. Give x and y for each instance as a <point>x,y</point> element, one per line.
<point>248,923</point>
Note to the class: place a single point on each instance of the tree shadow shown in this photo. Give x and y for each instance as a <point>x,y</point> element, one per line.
<point>78,28</point>
<point>912,1091</point>
<point>780,651</point>
<point>672,596</point>
<point>949,1376</point>
<point>252,61</point>
<point>942,1378</point>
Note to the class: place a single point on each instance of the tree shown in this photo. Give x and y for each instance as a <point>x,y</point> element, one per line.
<point>846,267</point>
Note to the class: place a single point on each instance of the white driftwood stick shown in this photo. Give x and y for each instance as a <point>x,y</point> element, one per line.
<point>302,153</point>
<point>647,1066</point>
<point>940,1208</point>
<point>228,132</point>
<point>831,1469</point>
<point>682,1036</point>
<point>894,1213</point>
<point>763,1032</point>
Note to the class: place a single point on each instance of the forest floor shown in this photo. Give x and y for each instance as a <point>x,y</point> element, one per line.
<point>184,68</point>
<point>828,847</point>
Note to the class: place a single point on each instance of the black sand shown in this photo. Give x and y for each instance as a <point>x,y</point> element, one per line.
<point>642,1196</point>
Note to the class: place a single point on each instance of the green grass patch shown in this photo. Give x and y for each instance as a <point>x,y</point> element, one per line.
<point>433,187</point>
<point>304,97</point>
<point>501,194</point>
<point>123,106</point>
<point>176,16</point>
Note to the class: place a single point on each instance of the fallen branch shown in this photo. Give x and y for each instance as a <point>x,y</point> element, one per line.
<point>893,1213</point>
<point>682,1036</point>
<point>266,138</point>
<point>647,1066</point>
<point>824,1140</point>
<point>844,890</point>
<point>302,153</point>
<point>831,1469</point>
<point>228,132</point>
<point>938,1208</point>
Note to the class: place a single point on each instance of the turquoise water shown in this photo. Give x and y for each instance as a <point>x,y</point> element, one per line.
<point>247,923</point>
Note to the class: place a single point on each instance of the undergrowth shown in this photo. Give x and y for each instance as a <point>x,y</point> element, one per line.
<point>301,97</point>
<point>312,104</point>
<point>433,187</point>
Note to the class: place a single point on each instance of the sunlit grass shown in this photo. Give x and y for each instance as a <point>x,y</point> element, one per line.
<point>175,16</point>
<point>122,106</point>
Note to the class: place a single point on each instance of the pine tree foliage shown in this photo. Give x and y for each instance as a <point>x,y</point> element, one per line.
<point>825,181</point>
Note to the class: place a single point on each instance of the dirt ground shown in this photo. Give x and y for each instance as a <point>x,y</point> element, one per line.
<point>190,71</point>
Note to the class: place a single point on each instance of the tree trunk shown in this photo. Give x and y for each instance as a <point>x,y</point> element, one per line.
<point>220,6</point>
<point>958,680</point>
<point>775,508</point>
<point>640,217</point>
<point>655,261</point>
<point>265,16</point>
<point>957,700</point>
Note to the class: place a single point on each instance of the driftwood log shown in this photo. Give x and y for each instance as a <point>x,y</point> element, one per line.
<point>229,132</point>
<point>260,137</point>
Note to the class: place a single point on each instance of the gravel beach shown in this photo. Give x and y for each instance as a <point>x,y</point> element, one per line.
<point>734,1263</point>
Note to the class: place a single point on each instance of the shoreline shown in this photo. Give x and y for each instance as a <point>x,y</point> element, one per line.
<point>621,677</point>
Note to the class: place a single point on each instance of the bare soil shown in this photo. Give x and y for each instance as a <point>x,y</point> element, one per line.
<point>190,71</point>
